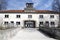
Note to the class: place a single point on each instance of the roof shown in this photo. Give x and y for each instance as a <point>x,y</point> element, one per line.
<point>22,11</point>
<point>45,11</point>
<point>11,11</point>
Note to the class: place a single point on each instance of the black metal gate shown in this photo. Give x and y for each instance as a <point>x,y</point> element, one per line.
<point>29,24</point>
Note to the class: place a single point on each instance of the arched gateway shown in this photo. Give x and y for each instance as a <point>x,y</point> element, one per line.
<point>29,24</point>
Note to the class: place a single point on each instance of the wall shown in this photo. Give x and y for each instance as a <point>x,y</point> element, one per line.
<point>35,17</point>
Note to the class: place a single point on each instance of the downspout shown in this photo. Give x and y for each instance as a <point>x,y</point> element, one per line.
<point>59,21</point>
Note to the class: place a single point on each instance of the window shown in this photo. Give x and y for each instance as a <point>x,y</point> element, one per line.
<point>6,16</point>
<point>51,16</point>
<point>12,22</point>
<point>41,23</point>
<point>5,23</point>
<point>40,16</point>
<point>52,23</point>
<point>29,16</point>
<point>47,22</point>
<point>17,16</point>
<point>17,23</point>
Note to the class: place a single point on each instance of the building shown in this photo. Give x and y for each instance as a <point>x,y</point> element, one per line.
<point>29,17</point>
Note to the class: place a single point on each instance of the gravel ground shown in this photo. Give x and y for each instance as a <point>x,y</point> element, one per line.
<point>22,34</point>
<point>30,34</point>
<point>9,33</point>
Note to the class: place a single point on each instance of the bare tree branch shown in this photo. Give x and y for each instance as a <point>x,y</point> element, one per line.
<point>56,5</point>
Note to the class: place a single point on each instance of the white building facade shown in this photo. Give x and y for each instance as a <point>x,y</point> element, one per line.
<point>29,17</point>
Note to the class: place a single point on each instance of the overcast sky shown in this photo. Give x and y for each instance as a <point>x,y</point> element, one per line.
<point>38,4</point>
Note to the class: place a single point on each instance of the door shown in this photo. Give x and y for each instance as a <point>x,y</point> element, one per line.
<point>29,24</point>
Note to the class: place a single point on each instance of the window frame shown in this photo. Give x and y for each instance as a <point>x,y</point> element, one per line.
<point>41,16</point>
<point>29,16</point>
<point>17,23</point>
<point>51,16</point>
<point>41,23</point>
<point>12,22</point>
<point>52,23</point>
<point>6,23</point>
<point>18,16</point>
<point>6,16</point>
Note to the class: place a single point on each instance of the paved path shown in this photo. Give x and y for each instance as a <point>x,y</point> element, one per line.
<point>30,34</point>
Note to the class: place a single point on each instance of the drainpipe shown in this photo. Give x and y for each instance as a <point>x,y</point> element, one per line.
<point>59,21</point>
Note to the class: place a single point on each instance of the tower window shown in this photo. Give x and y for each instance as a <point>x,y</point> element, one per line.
<point>6,16</point>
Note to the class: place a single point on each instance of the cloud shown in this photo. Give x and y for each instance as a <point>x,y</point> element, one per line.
<point>15,5</point>
<point>48,4</point>
<point>36,2</point>
<point>45,4</point>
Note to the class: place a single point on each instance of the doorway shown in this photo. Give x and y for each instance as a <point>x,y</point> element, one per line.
<point>29,24</point>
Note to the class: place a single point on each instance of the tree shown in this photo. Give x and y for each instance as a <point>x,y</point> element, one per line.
<point>56,5</point>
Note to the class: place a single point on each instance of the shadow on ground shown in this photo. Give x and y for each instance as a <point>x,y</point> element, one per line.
<point>47,34</point>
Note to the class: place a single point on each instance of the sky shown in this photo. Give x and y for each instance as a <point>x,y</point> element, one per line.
<point>21,4</point>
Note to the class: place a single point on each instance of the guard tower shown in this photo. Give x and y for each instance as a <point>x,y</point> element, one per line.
<point>29,7</point>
